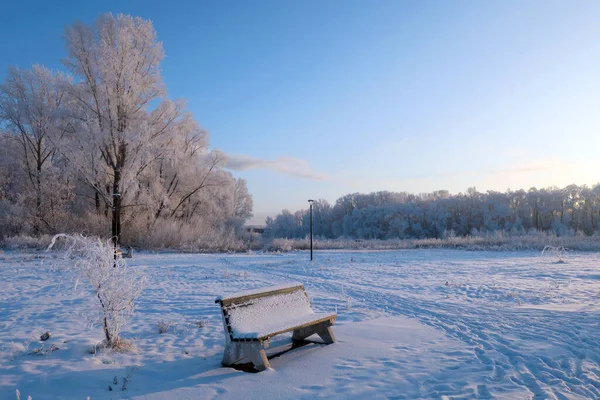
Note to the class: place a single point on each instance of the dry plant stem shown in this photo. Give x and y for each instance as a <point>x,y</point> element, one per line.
<point>104,319</point>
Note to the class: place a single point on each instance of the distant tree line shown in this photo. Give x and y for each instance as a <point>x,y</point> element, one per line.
<point>386,215</point>
<point>100,148</point>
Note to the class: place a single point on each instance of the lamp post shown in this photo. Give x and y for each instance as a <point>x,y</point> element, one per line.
<point>311,229</point>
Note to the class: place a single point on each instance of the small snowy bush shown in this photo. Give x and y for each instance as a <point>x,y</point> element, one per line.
<point>494,241</point>
<point>116,286</point>
<point>559,253</point>
<point>19,396</point>
<point>347,299</point>
<point>27,242</point>
<point>201,323</point>
<point>280,245</point>
<point>163,326</point>
<point>195,237</point>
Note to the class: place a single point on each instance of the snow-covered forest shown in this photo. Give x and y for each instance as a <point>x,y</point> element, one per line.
<point>100,149</point>
<point>386,215</point>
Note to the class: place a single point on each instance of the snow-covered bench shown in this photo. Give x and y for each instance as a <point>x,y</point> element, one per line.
<point>251,319</point>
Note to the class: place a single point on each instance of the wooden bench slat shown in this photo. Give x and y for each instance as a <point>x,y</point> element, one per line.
<point>243,297</point>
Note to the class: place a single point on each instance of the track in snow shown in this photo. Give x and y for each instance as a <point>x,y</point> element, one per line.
<point>552,354</point>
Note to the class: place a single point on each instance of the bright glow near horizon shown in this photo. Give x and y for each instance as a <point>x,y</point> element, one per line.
<point>320,99</point>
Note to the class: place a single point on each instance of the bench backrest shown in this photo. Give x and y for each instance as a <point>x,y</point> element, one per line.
<point>250,311</point>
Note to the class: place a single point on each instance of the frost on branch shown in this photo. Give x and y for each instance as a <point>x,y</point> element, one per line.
<point>115,285</point>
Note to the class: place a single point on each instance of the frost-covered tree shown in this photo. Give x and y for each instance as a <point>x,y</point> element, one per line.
<point>385,215</point>
<point>31,111</point>
<point>322,218</point>
<point>284,225</point>
<point>11,213</point>
<point>242,202</point>
<point>120,133</point>
<point>107,147</point>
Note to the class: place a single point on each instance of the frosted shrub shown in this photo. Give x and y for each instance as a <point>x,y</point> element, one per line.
<point>559,253</point>
<point>19,396</point>
<point>496,241</point>
<point>116,286</point>
<point>27,242</point>
<point>280,245</point>
<point>173,234</point>
<point>347,299</point>
<point>163,326</point>
<point>201,323</point>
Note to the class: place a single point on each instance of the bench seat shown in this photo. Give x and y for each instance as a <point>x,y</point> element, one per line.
<point>273,329</point>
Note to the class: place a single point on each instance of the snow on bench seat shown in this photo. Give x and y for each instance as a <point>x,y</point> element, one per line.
<point>257,315</point>
<point>270,316</point>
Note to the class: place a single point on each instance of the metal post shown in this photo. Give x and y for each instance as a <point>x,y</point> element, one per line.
<point>311,229</point>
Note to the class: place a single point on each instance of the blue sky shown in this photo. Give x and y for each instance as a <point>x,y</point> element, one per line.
<point>317,99</point>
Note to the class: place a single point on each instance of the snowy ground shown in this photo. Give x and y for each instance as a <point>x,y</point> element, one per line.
<point>411,324</point>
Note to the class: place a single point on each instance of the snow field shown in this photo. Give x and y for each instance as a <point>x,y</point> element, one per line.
<point>411,324</point>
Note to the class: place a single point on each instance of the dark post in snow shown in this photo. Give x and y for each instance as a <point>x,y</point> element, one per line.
<point>311,229</point>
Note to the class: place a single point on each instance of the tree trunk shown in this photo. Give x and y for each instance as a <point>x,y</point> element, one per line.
<point>97,201</point>
<point>116,209</point>
<point>38,202</point>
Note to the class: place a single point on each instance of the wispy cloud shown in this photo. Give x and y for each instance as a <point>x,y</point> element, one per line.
<point>522,169</point>
<point>523,175</point>
<point>285,165</point>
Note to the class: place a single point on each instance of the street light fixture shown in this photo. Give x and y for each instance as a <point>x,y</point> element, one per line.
<point>311,229</point>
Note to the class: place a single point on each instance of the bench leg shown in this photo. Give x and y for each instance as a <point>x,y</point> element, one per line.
<point>231,354</point>
<point>322,329</point>
<point>327,335</point>
<point>258,356</point>
<point>252,351</point>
